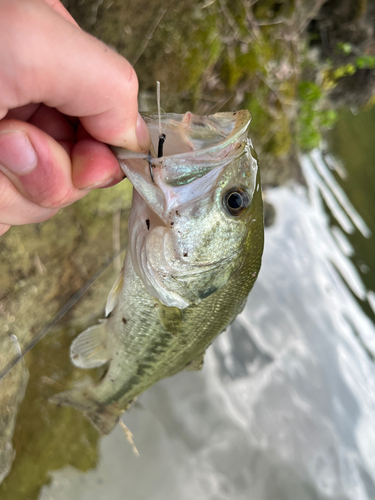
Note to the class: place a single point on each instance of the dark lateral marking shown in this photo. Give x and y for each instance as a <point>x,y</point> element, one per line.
<point>172,223</point>
<point>162,138</point>
<point>185,254</point>
<point>124,320</point>
<point>177,212</point>
<point>148,224</point>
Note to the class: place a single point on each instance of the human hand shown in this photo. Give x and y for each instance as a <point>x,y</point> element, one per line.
<point>63,94</point>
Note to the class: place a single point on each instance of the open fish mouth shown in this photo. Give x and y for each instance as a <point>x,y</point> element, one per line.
<point>194,147</point>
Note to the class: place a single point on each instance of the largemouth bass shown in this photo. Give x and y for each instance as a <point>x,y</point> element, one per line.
<point>196,242</point>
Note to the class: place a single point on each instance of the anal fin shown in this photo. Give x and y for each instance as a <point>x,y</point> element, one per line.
<point>196,364</point>
<point>89,349</point>
<point>114,294</point>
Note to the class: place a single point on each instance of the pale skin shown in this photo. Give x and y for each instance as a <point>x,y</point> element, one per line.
<point>64,97</point>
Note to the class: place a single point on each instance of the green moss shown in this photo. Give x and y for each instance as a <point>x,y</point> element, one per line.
<point>345,47</point>
<point>332,75</point>
<point>315,115</point>
<point>345,70</point>
<point>206,50</point>
<point>365,62</point>
<point>309,92</point>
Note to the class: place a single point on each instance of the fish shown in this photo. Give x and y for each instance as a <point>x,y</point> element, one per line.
<point>195,247</point>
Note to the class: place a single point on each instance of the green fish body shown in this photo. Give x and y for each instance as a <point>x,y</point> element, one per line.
<point>196,242</point>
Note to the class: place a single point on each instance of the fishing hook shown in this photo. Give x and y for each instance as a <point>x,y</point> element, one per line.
<point>161,144</point>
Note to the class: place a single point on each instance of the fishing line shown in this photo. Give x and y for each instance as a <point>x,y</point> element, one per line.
<point>162,136</point>
<point>66,307</point>
<point>158,103</point>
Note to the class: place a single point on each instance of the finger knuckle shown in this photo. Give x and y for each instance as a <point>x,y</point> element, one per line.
<point>131,80</point>
<point>53,198</point>
<point>16,18</point>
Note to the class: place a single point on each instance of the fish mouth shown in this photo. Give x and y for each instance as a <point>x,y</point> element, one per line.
<point>187,133</point>
<point>194,147</point>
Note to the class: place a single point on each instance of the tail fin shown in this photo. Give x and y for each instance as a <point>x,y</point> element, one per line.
<point>104,418</point>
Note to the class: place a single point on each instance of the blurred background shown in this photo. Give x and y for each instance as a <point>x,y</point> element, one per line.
<point>284,407</point>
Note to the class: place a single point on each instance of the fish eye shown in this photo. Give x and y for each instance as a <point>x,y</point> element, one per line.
<point>236,201</point>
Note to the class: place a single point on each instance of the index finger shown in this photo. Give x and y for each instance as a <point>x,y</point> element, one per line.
<point>51,60</point>
<point>60,9</point>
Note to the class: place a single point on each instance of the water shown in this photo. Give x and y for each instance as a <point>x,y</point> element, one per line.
<point>285,405</point>
<point>352,140</point>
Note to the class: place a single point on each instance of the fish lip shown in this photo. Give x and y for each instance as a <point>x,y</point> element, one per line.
<point>244,116</point>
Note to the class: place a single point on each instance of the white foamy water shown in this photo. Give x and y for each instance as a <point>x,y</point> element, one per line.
<point>284,408</point>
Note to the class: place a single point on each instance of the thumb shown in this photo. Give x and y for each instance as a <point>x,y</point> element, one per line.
<point>38,176</point>
<point>38,166</point>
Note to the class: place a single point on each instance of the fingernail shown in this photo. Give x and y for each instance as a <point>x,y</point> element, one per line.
<point>16,152</point>
<point>143,134</point>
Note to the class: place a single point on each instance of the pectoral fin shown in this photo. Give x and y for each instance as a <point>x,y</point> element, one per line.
<point>171,319</point>
<point>89,349</point>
